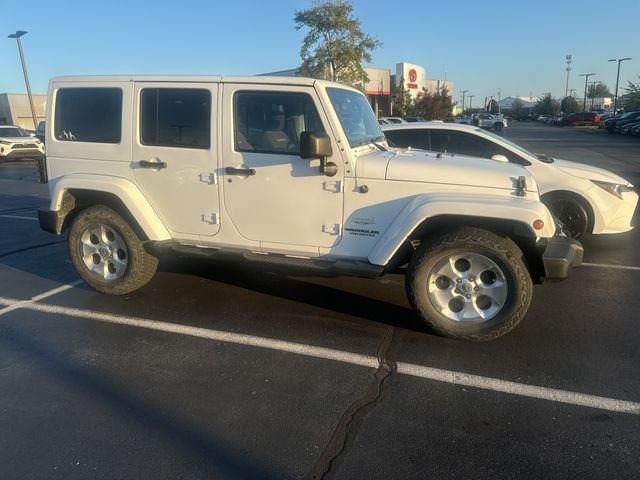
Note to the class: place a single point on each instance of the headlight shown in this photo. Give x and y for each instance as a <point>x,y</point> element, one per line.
<point>613,188</point>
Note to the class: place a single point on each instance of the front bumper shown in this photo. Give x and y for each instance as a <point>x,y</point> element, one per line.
<point>561,254</point>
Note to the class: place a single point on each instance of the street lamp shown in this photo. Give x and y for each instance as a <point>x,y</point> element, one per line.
<point>470,102</point>
<point>593,95</point>
<point>17,36</point>
<point>463,94</point>
<point>615,98</point>
<point>586,78</point>
<point>568,59</point>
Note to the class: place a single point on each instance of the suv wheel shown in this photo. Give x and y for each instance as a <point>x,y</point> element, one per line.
<point>469,284</point>
<point>107,253</point>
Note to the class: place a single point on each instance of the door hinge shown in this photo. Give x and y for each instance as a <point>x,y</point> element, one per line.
<point>332,228</point>
<point>211,218</point>
<point>335,186</point>
<point>209,177</point>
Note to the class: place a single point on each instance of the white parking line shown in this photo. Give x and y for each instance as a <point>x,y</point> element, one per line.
<point>15,304</point>
<point>436,374</point>
<point>611,265</point>
<point>19,217</point>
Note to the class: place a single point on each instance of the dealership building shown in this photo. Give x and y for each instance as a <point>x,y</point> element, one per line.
<point>383,85</point>
<point>15,109</point>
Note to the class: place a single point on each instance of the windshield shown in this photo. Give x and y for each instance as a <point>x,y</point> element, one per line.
<point>13,132</point>
<point>508,142</point>
<point>356,117</point>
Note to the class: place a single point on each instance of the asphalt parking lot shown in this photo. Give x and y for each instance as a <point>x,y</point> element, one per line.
<point>219,370</point>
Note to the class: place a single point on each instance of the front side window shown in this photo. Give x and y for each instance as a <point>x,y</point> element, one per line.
<point>460,143</point>
<point>175,117</point>
<point>271,122</point>
<point>88,115</point>
<point>356,117</point>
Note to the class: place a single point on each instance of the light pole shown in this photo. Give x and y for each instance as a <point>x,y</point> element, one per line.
<point>17,36</point>
<point>615,98</point>
<point>471,102</point>
<point>586,78</point>
<point>593,94</point>
<point>566,90</point>
<point>463,94</point>
<point>571,90</point>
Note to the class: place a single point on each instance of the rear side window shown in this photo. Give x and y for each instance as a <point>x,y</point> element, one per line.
<point>418,138</point>
<point>271,122</point>
<point>88,115</point>
<point>175,117</point>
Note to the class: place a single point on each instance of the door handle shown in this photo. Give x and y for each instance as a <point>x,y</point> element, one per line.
<point>150,164</point>
<point>240,171</point>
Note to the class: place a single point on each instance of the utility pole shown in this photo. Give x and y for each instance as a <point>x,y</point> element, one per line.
<point>615,98</point>
<point>471,102</point>
<point>463,94</point>
<point>594,92</point>
<point>586,78</point>
<point>17,36</point>
<point>571,90</point>
<point>568,59</point>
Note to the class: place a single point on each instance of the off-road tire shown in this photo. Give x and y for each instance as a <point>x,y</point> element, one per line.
<point>503,251</point>
<point>141,264</point>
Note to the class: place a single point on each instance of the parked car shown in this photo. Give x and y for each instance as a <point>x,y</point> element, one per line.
<point>622,123</point>
<point>610,124</point>
<point>489,121</point>
<point>584,198</point>
<point>575,118</point>
<point>361,208</point>
<point>414,119</point>
<point>543,118</point>
<point>635,131</point>
<point>394,119</point>
<point>40,131</point>
<point>16,143</point>
<point>627,127</point>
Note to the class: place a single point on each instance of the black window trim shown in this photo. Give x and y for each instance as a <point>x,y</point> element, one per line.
<point>190,147</point>
<point>55,113</point>
<point>263,92</point>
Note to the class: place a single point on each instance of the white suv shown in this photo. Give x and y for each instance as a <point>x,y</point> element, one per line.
<point>16,143</point>
<point>293,172</point>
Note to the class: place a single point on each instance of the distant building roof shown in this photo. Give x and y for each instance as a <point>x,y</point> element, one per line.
<point>528,101</point>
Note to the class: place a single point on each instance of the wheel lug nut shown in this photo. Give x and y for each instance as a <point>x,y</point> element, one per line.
<point>459,280</point>
<point>476,289</point>
<point>457,290</point>
<point>471,279</point>
<point>467,296</point>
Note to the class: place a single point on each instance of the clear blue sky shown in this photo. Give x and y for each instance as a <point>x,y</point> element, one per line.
<point>517,46</point>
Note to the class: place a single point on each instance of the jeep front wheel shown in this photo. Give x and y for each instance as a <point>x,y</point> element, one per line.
<point>469,284</point>
<point>107,253</point>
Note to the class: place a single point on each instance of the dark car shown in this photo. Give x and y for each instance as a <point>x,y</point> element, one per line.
<point>623,123</point>
<point>414,119</point>
<point>635,131</point>
<point>579,117</point>
<point>611,123</point>
<point>627,127</point>
<point>40,131</point>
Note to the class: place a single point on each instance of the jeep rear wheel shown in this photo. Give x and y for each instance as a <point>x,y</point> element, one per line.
<point>107,253</point>
<point>469,284</point>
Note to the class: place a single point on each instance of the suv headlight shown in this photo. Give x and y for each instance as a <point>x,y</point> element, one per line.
<point>615,189</point>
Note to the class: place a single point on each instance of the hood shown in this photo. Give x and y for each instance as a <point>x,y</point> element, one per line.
<point>422,166</point>
<point>18,139</point>
<point>588,172</point>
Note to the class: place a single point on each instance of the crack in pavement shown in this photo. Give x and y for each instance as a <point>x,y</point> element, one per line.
<point>348,425</point>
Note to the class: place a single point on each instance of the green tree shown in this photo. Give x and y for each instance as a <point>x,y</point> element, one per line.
<point>334,47</point>
<point>492,106</point>
<point>403,104</point>
<point>631,100</point>
<point>434,106</point>
<point>569,105</point>
<point>517,109</point>
<point>598,90</point>
<point>547,105</point>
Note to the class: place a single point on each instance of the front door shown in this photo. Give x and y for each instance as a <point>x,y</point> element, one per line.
<point>270,193</point>
<point>174,154</point>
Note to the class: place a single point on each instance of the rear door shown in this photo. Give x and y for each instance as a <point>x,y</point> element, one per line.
<point>174,154</point>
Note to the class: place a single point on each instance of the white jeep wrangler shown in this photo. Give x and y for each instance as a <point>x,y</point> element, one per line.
<point>296,172</point>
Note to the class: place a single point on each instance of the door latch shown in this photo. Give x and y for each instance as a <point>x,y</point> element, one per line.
<point>336,186</point>
<point>209,177</point>
<point>210,218</point>
<point>332,228</point>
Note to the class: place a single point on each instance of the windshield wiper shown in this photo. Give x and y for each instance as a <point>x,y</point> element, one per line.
<point>544,158</point>
<point>379,145</point>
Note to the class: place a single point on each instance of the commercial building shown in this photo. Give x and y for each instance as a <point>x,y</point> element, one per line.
<point>15,109</point>
<point>382,85</point>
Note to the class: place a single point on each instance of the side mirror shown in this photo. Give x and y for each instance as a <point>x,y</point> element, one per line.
<point>500,158</point>
<point>318,145</point>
